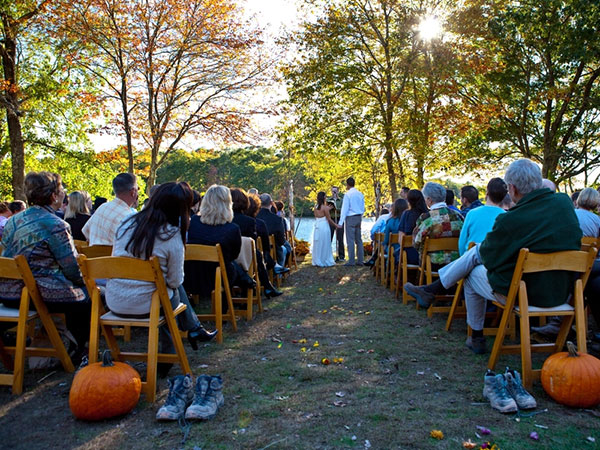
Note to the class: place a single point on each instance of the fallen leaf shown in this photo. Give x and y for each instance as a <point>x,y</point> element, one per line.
<point>367,313</point>
<point>302,341</point>
<point>533,435</point>
<point>279,345</point>
<point>483,430</point>
<point>339,404</point>
<point>316,344</point>
<point>325,361</point>
<point>340,394</point>
<point>303,349</point>
<point>281,397</point>
<point>469,444</point>
<point>274,339</point>
<point>371,351</point>
<point>437,434</point>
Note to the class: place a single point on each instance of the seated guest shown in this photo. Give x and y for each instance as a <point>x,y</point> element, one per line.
<point>450,200</point>
<point>481,220</point>
<point>247,225</point>
<point>404,192</point>
<point>197,201</point>
<point>98,202</point>
<point>17,206</point>
<point>587,203</point>
<point>549,184</point>
<point>536,220</point>
<point>574,197</point>
<point>469,198</point>
<point>439,222</point>
<point>392,225</point>
<point>5,213</point>
<point>378,227</point>
<point>78,213</point>
<point>408,220</point>
<point>44,239</point>
<point>213,226</point>
<point>261,229</point>
<point>276,228</point>
<point>507,203</point>
<point>157,230</point>
<point>286,225</point>
<point>102,226</point>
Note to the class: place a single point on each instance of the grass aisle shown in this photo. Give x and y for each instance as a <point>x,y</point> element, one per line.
<point>402,376</point>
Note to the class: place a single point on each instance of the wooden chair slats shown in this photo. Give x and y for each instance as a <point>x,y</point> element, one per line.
<point>130,268</point>
<point>18,268</point>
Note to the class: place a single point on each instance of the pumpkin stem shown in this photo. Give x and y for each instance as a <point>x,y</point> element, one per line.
<point>572,349</point>
<point>106,359</point>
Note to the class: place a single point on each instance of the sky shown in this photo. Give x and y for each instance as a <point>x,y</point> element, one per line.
<point>273,16</point>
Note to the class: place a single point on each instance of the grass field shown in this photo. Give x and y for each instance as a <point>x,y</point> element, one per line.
<point>402,376</point>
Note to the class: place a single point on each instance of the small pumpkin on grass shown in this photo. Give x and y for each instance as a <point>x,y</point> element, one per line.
<point>103,390</point>
<point>572,379</point>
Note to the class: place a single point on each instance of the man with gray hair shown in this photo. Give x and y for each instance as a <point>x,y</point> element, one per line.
<point>439,222</point>
<point>275,227</point>
<point>541,221</point>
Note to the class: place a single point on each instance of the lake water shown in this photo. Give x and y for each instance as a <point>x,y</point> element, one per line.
<point>304,228</point>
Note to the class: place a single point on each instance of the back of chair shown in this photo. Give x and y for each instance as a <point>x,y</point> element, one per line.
<point>206,253</point>
<point>108,267</point>
<point>406,241</point>
<point>96,251</point>
<point>570,261</point>
<point>440,244</point>
<point>9,268</point>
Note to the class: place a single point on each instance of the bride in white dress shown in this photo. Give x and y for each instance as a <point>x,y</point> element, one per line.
<point>322,254</point>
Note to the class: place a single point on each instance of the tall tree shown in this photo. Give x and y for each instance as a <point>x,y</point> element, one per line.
<point>537,65</point>
<point>15,17</point>
<point>352,71</point>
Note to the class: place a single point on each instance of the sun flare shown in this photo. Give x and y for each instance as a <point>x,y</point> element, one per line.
<point>430,28</point>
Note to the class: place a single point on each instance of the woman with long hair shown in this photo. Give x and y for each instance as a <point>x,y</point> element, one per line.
<point>408,220</point>
<point>322,254</point>
<point>393,223</point>
<point>157,230</point>
<point>78,213</point>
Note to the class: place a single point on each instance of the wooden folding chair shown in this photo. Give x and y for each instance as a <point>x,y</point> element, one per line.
<point>79,244</point>
<point>426,273</point>
<point>110,267</point>
<point>402,277</point>
<point>292,259</point>
<point>98,251</point>
<point>274,277</point>
<point>18,269</point>
<point>214,254</point>
<point>253,296</point>
<point>390,274</point>
<point>379,266</point>
<point>459,310</point>
<point>95,251</point>
<point>517,303</point>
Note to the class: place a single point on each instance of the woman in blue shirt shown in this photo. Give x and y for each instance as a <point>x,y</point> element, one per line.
<point>408,221</point>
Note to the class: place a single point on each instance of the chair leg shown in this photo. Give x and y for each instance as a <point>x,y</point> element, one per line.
<point>580,318</point>
<point>151,366</point>
<point>499,341</point>
<point>454,307</point>
<point>526,365</point>
<point>19,365</point>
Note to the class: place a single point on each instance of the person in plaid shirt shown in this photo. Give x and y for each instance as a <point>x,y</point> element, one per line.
<point>102,226</point>
<point>439,222</point>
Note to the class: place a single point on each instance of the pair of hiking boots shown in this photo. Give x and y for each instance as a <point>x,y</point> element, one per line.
<point>186,402</point>
<point>506,392</point>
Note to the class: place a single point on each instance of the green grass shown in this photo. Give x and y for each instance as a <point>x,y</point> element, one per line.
<point>385,391</point>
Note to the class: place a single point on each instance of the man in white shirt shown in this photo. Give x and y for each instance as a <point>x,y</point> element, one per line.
<point>353,208</point>
<point>102,226</point>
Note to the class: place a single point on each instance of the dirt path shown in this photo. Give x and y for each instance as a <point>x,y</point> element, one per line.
<point>401,376</point>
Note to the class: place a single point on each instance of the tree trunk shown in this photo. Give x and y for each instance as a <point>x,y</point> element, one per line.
<point>126,124</point>
<point>17,148</point>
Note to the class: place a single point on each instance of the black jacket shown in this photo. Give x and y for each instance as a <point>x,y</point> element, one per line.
<point>246,223</point>
<point>199,276</point>
<point>274,225</point>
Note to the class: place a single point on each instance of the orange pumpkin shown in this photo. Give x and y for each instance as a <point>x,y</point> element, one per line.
<point>572,379</point>
<point>104,390</point>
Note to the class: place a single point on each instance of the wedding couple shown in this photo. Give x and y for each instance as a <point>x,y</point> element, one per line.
<point>353,208</point>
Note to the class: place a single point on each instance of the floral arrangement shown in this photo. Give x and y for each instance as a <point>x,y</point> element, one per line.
<point>302,248</point>
<point>368,246</point>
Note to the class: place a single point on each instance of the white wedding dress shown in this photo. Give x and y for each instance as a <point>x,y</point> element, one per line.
<point>322,254</point>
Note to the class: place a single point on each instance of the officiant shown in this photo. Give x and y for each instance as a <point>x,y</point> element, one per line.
<point>336,201</point>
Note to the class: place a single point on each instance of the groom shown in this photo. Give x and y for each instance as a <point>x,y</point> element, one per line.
<point>336,201</point>
<point>353,208</point>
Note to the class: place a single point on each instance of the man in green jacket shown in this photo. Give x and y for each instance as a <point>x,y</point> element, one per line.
<point>541,221</point>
